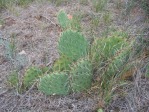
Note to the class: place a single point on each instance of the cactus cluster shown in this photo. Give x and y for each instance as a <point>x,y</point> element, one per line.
<point>78,79</point>
<point>71,72</point>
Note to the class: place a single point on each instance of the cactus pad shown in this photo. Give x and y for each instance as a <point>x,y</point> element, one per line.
<point>30,76</point>
<point>63,63</point>
<point>54,84</point>
<point>81,76</point>
<point>73,45</point>
<point>63,20</point>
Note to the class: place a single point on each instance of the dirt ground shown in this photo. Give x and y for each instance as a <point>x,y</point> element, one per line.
<point>37,33</point>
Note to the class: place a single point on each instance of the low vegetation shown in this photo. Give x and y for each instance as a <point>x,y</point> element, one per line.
<point>106,63</point>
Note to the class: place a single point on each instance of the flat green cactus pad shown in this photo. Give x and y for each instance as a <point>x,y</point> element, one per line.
<point>30,76</point>
<point>54,84</point>
<point>73,45</point>
<point>81,76</point>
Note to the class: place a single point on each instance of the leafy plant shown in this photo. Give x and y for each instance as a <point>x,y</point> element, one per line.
<point>31,75</point>
<point>73,45</point>
<point>81,76</point>
<point>54,84</point>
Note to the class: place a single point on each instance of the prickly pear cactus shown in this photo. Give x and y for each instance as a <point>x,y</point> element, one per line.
<point>81,76</point>
<point>73,45</point>
<point>63,20</point>
<point>30,76</point>
<point>63,63</point>
<point>54,84</point>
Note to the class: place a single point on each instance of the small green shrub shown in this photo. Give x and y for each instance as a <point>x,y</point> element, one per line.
<point>81,76</point>
<point>54,84</point>
<point>73,45</point>
<point>31,75</point>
